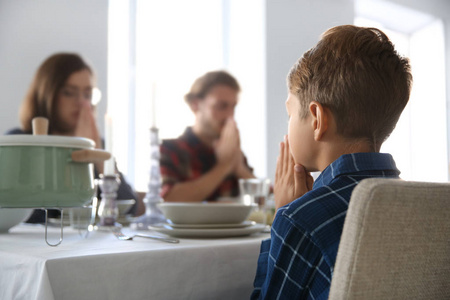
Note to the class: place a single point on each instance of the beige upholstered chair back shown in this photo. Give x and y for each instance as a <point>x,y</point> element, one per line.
<point>395,243</point>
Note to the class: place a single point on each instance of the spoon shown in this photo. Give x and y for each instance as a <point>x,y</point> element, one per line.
<point>118,234</point>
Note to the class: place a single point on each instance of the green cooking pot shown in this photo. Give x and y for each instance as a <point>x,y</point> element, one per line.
<point>40,171</point>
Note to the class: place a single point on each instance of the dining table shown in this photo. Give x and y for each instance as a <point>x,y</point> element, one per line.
<point>97,265</point>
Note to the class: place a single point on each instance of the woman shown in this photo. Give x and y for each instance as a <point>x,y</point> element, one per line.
<point>63,91</point>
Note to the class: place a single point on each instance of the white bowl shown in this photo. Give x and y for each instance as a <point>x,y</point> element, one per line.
<point>10,217</point>
<point>206,213</point>
<point>124,206</point>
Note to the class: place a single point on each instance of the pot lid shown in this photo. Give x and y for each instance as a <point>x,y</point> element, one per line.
<point>46,140</point>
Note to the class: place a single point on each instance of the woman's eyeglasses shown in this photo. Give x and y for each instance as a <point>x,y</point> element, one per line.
<point>93,95</point>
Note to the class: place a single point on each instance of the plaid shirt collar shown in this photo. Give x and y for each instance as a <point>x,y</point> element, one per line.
<point>353,163</point>
<point>192,140</point>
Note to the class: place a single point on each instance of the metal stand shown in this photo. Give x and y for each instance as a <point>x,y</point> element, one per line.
<point>90,227</point>
<point>46,225</point>
<point>153,214</point>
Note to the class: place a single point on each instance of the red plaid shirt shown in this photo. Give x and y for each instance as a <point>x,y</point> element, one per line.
<point>187,158</point>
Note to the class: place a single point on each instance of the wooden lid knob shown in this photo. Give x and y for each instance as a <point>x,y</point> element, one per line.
<point>40,126</point>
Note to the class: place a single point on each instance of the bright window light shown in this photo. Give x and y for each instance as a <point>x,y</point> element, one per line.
<point>419,141</point>
<point>118,74</point>
<point>158,48</point>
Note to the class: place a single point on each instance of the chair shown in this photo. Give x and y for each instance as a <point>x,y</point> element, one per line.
<point>395,242</point>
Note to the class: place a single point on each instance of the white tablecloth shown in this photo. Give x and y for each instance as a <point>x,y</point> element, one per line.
<point>102,267</point>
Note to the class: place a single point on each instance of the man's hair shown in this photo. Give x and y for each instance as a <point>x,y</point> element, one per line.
<point>203,85</point>
<point>40,100</point>
<point>356,73</point>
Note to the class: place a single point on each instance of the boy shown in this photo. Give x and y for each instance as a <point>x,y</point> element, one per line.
<point>345,97</point>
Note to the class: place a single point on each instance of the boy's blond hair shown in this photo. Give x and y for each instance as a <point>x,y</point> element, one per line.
<point>356,73</point>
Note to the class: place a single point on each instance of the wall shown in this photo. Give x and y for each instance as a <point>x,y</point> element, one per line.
<point>30,31</point>
<point>440,9</point>
<point>293,27</point>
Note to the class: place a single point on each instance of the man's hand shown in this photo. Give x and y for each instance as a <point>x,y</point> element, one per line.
<point>291,180</point>
<point>227,148</point>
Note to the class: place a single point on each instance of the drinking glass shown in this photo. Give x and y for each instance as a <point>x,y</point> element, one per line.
<point>83,218</point>
<point>80,217</point>
<point>255,190</point>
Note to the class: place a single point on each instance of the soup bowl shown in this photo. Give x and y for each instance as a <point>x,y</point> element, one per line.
<point>206,213</point>
<point>10,217</point>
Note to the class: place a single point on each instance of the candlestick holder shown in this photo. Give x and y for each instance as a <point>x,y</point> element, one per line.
<point>108,211</point>
<point>153,214</point>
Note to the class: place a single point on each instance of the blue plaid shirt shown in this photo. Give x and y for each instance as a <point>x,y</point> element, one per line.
<point>297,261</point>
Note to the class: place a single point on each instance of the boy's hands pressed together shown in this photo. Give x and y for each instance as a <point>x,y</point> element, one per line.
<point>291,180</point>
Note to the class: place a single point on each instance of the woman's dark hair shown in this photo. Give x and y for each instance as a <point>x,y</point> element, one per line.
<point>40,100</point>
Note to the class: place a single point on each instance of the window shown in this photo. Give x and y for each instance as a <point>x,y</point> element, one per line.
<point>419,141</point>
<point>157,49</point>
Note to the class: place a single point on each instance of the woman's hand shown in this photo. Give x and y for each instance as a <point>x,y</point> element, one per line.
<point>86,126</point>
<point>291,180</point>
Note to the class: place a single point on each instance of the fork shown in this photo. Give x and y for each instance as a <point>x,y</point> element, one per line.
<point>118,233</point>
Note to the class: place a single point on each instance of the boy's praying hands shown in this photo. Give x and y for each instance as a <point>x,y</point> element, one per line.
<point>291,180</point>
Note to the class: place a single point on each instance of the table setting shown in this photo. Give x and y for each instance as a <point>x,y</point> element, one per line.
<point>207,220</point>
<point>121,262</point>
<point>96,251</point>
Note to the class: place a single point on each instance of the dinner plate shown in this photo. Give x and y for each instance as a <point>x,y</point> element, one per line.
<point>211,226</point>
<point>207,232</point>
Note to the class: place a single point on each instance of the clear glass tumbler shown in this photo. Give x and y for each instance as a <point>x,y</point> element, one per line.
<point>255,190</point>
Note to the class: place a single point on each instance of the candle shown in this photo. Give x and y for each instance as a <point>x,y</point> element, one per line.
<point>109,165</point>
<point>153,104</point>
<point>108,133</point>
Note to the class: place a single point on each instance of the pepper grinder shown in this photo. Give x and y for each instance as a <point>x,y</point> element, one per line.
<point>153,214</point>
<point>108,211</point>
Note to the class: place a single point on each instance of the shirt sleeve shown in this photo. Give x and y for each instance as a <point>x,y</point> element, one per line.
<point>169,165</point>
<point>291,265</point>
<point>261,270</point>
<point>246,163</point>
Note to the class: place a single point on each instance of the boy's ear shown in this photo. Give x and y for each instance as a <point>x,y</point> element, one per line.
<point>319,119</point>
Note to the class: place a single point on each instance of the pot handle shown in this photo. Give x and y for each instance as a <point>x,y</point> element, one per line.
<point>39,125</point>
<point>90,155</point>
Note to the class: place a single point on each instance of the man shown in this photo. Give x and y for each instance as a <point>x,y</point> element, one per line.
<point>206,162</point>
